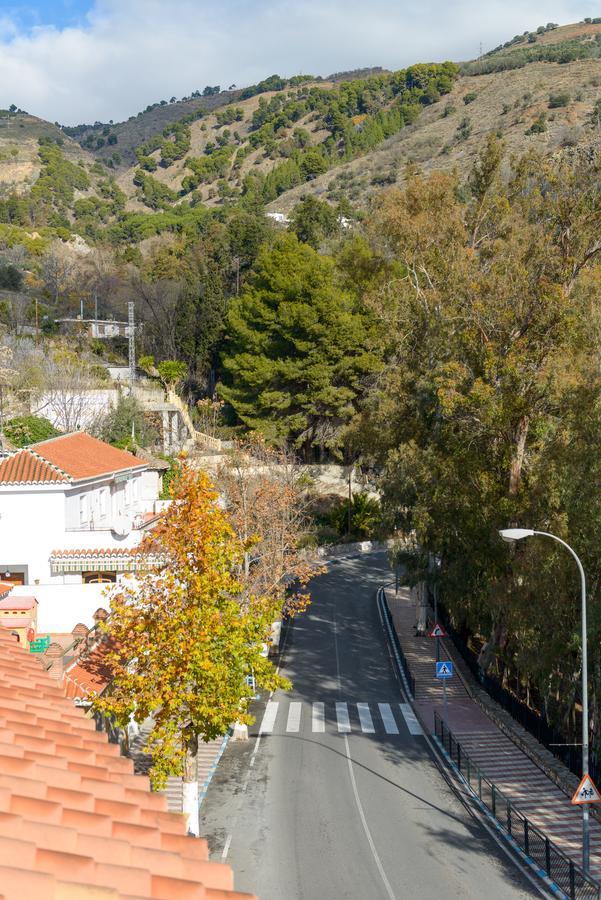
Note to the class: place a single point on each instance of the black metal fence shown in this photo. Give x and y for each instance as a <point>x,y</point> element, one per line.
<point>557,743</point>
<point>566,874</point>
<point>394,638</point>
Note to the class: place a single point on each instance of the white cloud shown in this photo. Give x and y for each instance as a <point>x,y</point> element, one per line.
<point>133,52</point>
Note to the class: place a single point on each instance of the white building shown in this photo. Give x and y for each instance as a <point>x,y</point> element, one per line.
<point>72,511</point>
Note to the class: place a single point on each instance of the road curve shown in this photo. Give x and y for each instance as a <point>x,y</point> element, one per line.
<point>330,802</point>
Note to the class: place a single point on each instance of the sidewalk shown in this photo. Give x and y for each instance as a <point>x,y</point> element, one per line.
<point>208,756</point>
<point>504,763</point>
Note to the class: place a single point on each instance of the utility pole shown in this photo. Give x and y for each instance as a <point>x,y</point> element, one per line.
<point>132,347</point>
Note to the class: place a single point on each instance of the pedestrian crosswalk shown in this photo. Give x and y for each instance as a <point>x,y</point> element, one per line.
<point>342,717</point>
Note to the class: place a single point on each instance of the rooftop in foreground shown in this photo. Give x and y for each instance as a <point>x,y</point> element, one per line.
<point>75,822</point>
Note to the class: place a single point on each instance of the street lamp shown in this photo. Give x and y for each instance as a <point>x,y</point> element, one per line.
<point>516,534</point>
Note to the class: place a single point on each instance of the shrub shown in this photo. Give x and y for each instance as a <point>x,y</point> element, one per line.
<point>469,98</point>
<point>538,126</point>
<point>366,517</point>
<point>11,278</point>
<point>464,130</point>
<point>558,100</point>
<point>24,430</point>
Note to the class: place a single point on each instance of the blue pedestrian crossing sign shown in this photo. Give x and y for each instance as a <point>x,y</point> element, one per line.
<point>444,669</point>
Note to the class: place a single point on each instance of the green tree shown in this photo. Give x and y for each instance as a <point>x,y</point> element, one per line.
<point>125,425</point>
<point>297,349</point>
<point>489,329</point>
<point>24,430</point>
<point>313,221</point>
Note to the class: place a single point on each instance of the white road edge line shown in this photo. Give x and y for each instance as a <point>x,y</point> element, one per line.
<point>226,847</point>
<point>370,840</point>
<point>349,761</point>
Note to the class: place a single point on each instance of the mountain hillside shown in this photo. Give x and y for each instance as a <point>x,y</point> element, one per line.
<point>20,134</point>
<point>342,139</point>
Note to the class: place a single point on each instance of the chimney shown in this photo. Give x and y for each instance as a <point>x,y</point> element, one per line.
<point>55,655</point>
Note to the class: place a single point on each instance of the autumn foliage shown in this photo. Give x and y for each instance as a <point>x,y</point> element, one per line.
<point>185,639</point>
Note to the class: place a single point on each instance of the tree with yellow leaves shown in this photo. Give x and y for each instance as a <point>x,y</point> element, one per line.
<point>183,642</point>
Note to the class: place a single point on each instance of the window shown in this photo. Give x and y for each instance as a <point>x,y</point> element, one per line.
<point>83,509</point>
<point>103,503</point>
<point>128,492</point>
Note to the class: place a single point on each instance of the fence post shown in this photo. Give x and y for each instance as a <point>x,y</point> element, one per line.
<point>479,785</point>
<point>494,800</point>
<point>469,780</point>
<point>509,818</point>
<point>547,856</point>
<point>459,757</point>
<point>526,838</point>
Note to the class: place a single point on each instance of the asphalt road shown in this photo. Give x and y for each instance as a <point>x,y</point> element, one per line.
<point>330,802</point>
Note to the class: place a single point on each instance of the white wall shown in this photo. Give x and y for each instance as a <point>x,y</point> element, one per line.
<point>30,522</point>
<point>37,520</point>
<point>62,607</point>
<point>97,505</point>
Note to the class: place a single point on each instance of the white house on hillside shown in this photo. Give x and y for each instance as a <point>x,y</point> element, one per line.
<point>72,511</point>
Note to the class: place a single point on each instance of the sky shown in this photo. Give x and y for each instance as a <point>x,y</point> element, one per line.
<point>76,61</point>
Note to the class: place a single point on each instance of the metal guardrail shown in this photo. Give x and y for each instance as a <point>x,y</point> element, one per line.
<point>400,659</point>
<point>563,871</point>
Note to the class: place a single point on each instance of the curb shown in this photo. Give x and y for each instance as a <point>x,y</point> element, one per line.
<point>527,860</point>
<point>433,740</point>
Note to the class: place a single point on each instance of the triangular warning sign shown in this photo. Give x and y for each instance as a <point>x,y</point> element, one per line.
<point>586,792</point>
<point>437,631</point>
<point>444,669</point>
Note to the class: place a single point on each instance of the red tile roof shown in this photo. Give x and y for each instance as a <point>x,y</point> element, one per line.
<point>26,467</point>
<point>18,602</point>
<point>75,822</point>
<point>5,588</point>
<point>96,551</point>
<point>68,458</point>
<point>89,674</point>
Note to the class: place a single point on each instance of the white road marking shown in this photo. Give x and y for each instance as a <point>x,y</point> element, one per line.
<point>410,719</point>
<point>226,847</point>
<point>342,716</point>
<point>294,717</point>
<point>367,724</point>
<point>388,719</point>
<point>318,718</point>
<point>370,840</point>
<point>271,711</point>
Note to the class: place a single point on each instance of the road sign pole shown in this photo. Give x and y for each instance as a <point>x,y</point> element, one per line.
<point>444,702</point>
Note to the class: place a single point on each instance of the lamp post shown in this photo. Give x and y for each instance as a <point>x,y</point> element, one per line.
<point>516,534</point>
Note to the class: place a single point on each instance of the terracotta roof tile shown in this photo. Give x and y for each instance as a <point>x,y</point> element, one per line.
<point>82,456</point>
<point>17,602</point>
<point>26,467</point>
<point>75,822</point>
